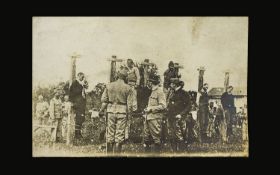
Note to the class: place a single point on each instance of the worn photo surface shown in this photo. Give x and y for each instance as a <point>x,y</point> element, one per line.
<point>139,87</point>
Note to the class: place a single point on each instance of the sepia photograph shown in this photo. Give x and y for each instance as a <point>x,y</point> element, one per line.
<point>139,86</point>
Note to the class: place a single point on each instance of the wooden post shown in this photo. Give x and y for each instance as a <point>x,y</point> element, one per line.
<point>226,82</point>
<point>71,114</point>
<point>113,70</point>
<point>73,67</point>
<point>201,71</point>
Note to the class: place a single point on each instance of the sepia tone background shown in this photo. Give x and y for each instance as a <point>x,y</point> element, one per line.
<point>217,43</point>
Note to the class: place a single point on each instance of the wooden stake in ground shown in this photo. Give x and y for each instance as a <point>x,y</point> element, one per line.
<point>226,82</point>
<point>201,71</point>
<point>73,67</point>
<point>113,70</point>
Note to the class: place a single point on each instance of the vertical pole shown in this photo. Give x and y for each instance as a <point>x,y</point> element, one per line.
<point>226,83</point>
<point>201,71</point>
<point>113,68</point>
<point>71,114</point>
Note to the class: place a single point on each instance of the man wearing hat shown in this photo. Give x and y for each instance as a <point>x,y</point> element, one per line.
<point>154,114</point>
<point>179,106</point>
<point>115,100</point>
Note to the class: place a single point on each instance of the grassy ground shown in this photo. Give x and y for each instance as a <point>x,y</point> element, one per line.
<point>136,150</point>
<point>43,147</point>
<point>132,149</point>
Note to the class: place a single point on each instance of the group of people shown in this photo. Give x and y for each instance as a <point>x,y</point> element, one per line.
<point>65,112</point>
<point>168,111</point>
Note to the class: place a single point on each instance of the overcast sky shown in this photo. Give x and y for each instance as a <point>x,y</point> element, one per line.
<point>217,43</point>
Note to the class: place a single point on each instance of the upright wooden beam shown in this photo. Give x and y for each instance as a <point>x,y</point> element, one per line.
<point>201,71</point>
<point>113,70</point>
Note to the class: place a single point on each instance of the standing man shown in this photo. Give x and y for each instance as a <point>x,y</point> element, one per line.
<point>115,100</point>
<point>78,98</point>
<point>227,101</point>
<point>203,113</point>
<point>154,114</point>
<point>178,108</point>
<point>55,111</point>
<point>42,110</point>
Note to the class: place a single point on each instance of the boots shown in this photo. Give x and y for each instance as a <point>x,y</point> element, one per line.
<point>109,148</point>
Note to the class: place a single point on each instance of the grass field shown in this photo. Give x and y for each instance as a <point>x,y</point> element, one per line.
<point>49,149</point>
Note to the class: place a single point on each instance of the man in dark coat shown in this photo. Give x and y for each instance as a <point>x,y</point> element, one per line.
<point>78,98</point>
<point>178,108</point>
<point>227,101</point>
<point>203,113</point>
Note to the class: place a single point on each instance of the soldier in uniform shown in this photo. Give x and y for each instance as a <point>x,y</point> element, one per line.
<point>55,111</point>
<point>178,108</point>
<point>154,114</point>
<point>115,100</point>
<point>203,113</point>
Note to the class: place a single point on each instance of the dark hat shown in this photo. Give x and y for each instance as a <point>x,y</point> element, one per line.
<point>154,78</point>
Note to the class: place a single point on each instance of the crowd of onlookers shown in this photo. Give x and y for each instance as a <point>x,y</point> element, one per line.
<point>190,111</point>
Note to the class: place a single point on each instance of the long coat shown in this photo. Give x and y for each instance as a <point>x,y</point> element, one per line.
<point>179,103</point>
<point>76,97</point>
